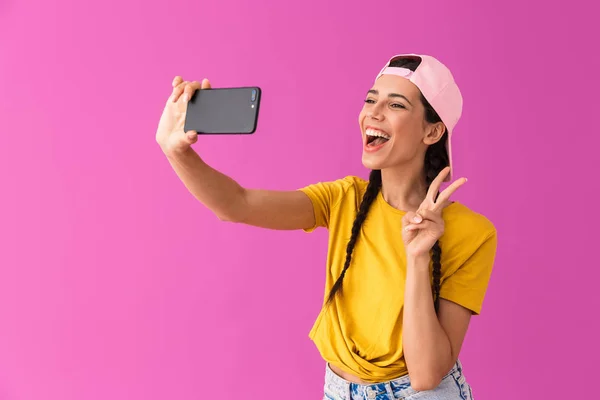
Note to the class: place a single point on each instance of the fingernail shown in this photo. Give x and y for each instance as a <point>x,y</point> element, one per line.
<point>417,219</point>
<point>186,97</point>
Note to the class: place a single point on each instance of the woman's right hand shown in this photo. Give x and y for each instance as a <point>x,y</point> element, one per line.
<point>170,135</point>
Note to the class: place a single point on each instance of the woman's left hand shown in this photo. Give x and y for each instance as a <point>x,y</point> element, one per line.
<point>422,229</point>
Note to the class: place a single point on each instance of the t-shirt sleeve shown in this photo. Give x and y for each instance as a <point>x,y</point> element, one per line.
<point>324,197</point>
<point>468,285</point>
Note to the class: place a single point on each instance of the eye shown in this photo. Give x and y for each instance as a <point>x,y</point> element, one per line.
<point>370,101</point>
<point>398,105</point>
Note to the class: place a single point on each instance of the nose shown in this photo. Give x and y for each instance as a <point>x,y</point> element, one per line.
<point>375,113</point>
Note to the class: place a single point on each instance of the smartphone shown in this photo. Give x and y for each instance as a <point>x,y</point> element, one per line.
<point>223,111</point>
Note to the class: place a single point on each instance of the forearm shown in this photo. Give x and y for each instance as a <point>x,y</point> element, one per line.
<point>215,190</point>
<point>427,349</point>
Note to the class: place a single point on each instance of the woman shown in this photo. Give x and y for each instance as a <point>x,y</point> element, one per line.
<point>406,267</point>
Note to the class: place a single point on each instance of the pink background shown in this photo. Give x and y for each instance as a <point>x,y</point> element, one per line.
<point>116,284</point>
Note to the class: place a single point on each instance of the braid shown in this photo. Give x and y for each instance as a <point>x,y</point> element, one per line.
<point>436,159</point>
<point>436,257</point>
<point>368,198</point>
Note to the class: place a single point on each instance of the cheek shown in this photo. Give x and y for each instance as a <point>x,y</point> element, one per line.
<point>361,116</point>
<point>405,125</point>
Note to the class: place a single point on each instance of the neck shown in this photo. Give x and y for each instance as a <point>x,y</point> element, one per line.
<point>403,188</point>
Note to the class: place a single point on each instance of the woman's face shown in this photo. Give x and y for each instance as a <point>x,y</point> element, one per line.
<point>393,125</point>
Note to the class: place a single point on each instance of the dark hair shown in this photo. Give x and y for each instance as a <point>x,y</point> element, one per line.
<point>436,159</point>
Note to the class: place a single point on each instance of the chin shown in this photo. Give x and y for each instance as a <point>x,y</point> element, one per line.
<point>371,162</point>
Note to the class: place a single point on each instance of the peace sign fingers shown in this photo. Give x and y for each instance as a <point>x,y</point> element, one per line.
<point>434,188</point>
<point>444,198</point>
<point>442,201</point>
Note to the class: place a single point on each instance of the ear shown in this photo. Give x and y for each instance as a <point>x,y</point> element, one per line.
<point>434,133</point>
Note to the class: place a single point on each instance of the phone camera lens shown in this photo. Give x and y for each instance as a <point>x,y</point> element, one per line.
<point>254,95</point>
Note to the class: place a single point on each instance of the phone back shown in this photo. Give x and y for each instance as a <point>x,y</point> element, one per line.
<point>223,111</point>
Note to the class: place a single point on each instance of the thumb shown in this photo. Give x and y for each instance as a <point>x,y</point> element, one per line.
<point>205,84</point>
<point>408,218</point>
<point>191,136</point>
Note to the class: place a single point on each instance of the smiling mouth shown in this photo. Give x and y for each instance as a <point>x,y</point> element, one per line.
<point>376,137</point>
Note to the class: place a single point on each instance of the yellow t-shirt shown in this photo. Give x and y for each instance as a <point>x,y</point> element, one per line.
<point>361,331</point>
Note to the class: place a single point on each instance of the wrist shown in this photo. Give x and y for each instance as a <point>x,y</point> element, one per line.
<point>418,259</point>
<point>178,154</point>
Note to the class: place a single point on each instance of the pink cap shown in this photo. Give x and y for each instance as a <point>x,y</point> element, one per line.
<point>437,84</point>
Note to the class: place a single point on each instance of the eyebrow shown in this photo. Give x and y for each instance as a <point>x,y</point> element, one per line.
<point>376,92</point>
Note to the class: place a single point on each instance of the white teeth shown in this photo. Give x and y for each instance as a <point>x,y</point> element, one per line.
<point>373,132</point>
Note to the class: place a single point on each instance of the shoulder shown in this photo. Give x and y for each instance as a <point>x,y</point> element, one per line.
<point>352,182</point>
<point>352,190</point>
<point>332,193</point>
<point>466,224</point>
<point>469,242</point>
<point>341,186</point>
